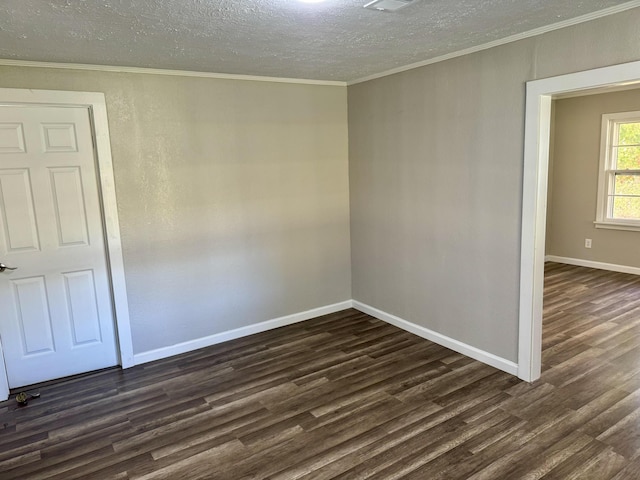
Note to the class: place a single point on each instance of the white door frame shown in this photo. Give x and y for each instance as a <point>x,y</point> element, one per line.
<point>95,102</point>
<point>534,198</point>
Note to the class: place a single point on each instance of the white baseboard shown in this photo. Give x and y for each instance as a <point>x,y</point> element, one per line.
<point>455,345</point>
<point>191,345</point>
<point>591,264</point>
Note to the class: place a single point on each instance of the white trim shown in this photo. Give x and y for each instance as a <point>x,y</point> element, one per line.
<point>618,225</point>
<point>605,139</point>
<point>595,91</point>
<point>112,231</point>
<point>451,343</point>
<point>612,267</point>
<point>158,71</point>
<point>203,342</point>
<point>455,345</point>
<point>95,102</point>
<point>460,347</point>
<point>534,198</point>
<point>502,41</point>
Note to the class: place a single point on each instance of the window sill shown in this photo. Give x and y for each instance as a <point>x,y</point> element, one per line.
<point>633,227</point>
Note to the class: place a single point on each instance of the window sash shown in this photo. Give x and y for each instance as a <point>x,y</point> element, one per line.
<point>625,172</point>
<point>612,195</point>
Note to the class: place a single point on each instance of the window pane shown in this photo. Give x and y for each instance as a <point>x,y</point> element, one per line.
<point>626,207</point>
<point>627,185</point>
<point>628,158</point>
<point>629,134</point>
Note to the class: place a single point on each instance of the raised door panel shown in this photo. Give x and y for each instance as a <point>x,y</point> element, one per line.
<point>70,211</point>
<point>33,315</point>
<point>82,304</point>
<point>59,137</point>
<point>11,138</point>
<point>17,211</point>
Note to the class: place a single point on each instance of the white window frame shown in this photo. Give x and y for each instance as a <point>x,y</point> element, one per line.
<point>607,174</point>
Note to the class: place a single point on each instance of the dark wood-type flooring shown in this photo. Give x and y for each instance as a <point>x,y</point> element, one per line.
<point>348,396</point>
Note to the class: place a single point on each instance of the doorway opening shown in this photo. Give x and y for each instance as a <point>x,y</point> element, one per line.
<point>540,94</point>
<point>586,301</point>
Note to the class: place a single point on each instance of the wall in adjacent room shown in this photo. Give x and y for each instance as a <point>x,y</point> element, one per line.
<point>576,159</point>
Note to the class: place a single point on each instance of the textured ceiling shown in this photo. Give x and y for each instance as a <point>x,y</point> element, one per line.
<point>334,40</point>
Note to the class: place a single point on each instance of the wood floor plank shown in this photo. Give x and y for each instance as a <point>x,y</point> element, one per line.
<point>348,396</point>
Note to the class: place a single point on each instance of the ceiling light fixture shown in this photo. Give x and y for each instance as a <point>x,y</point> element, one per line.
<point>387,5</point>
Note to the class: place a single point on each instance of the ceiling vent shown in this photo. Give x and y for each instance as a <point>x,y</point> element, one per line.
<point>387,5</point>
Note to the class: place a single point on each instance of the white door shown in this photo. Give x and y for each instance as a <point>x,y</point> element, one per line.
<point>56,318</point>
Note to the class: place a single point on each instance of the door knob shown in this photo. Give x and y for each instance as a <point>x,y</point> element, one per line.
<point>3,267</point>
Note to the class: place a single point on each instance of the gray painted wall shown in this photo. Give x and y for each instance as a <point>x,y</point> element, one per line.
<point>435,170</point>
<point>232,196</point>
<point>576,157</point>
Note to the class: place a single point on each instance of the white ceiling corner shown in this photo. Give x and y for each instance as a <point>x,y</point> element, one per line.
<point>335,41</point>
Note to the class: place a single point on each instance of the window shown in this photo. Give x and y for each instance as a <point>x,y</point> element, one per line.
<point>619,179</point>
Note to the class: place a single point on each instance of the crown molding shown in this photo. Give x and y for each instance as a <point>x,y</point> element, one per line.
<point>157,71</point>
<point>513,38</point>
